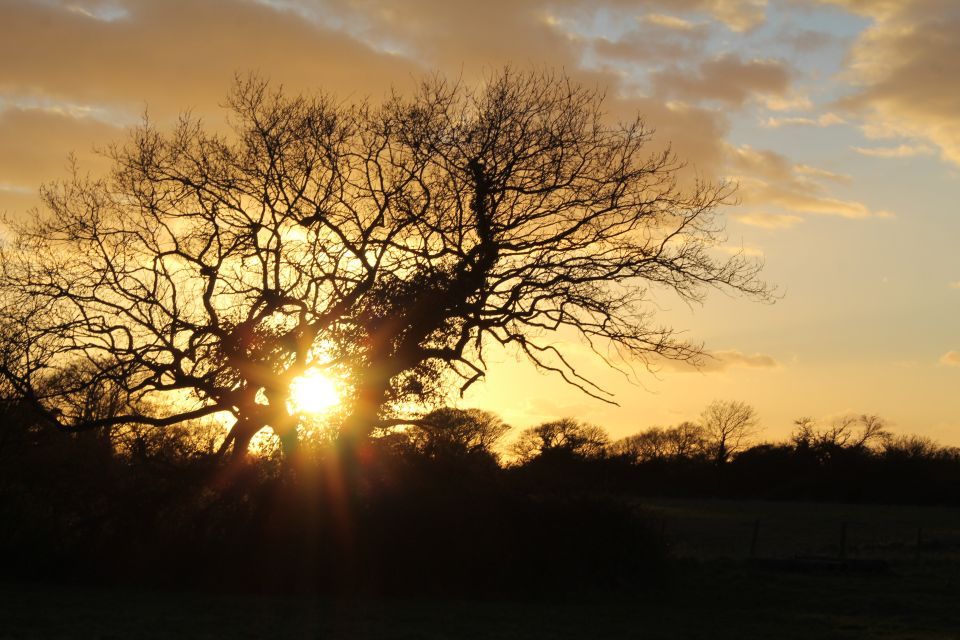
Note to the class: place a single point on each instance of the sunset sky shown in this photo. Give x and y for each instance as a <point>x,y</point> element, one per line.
<point>839,119</point>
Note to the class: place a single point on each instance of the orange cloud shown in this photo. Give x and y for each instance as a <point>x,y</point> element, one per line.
<point>172,55</point>
<point>175,54</point>
<point>726,79</point>
<point>768,178</point>
<point>901,151</point>
<point>670,22</point>
<point>906,65</point>
<point>950,359</point>
<point>824,120</point>
<point>34,144</point>
<point>768,220</point>
<point>816,172</point>
<point>723,360</point>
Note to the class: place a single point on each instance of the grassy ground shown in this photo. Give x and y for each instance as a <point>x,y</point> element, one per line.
<point>710,594</point>
<point>725,528</point>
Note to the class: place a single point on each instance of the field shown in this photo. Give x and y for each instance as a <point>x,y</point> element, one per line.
<point>715,589</point>
<point>712,529</point>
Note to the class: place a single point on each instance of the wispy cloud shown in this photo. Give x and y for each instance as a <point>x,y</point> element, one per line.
<point>15,188</point>
<point>669,22</point>
<point>723,360</point>
<point>901,151</point>
<point>824,120</point>
<point>740,250</point>
<point>739,15</point>
<point>950,359</point>
<point>768,220</point>
<point>768,178</point>
<point>816,172</point>
<point>788,102</point>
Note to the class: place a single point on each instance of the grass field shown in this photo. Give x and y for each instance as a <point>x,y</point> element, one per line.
<point>726,528</point>
<point>710,593</point>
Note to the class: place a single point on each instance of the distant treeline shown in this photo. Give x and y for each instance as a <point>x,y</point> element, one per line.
<point>849,459</point>
<point>440,505</point>
<point>853,458</point>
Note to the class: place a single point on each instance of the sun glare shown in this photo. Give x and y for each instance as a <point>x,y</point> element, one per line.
<point>314,392</point>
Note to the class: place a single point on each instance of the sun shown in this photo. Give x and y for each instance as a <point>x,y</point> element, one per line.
<point>314,392</point>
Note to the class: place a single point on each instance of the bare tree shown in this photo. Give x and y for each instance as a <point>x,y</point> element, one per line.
<point>686,440</point>
<point>645,446</point>
<point>728,426</point>
<point>847,432</point>
<point>915,447</point>
<point>388,245</point>
<point>560,437</point>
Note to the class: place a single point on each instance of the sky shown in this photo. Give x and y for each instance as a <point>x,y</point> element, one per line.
<point>838,119</point>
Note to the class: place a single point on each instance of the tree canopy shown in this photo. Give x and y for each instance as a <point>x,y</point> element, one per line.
<point>386,244</point>
<point>564,438</point>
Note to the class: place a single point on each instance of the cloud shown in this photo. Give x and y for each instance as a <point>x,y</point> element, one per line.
<point>421,17</point>
<point>12,188</point>
<point>669,22</point>
<point>806,202</point>
<point>767,178</point>
<point>768,220</point>
<point>950,359</point>
<point>650,43</point>
<point>790,101</point>
<point>954,285</point>
<point>901,151</point>
<point>816,172</point>
<point>175,54</point>
<point>172,55</point>
<point>723,360</point>
<point>741,250</point>
<point>824,120</point>
<point>694,134</point>
<point>727,79</point>
<point>739,15</point>
<point>906,65</point>
<point>35,144</point>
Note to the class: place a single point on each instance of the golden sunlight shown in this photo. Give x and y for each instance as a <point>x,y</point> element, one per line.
<point>314,392</point>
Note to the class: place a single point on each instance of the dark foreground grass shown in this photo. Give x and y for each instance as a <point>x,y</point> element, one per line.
<point>731,529</point>
<point>713,599</point>
<point>712,589</point>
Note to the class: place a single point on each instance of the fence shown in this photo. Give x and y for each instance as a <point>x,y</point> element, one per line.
<point>743,529</point>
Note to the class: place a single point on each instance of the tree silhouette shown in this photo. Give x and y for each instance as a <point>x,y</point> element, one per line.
<point>388,245</point>
<point>844,434</point>
<point>728,426</point>
<point>560,438</point>
<point>456,433</point>
<point>686,440</point>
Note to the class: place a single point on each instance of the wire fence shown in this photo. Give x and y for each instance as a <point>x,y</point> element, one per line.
<point>755,529</point>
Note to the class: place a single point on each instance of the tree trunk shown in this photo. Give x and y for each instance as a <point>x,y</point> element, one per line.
<point>285,426</point>
<point>238,440</point>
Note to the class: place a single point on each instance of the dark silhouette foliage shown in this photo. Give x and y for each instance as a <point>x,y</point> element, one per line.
<point>434,517</point>
<point>431,512</point>
<point>565,438</point>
